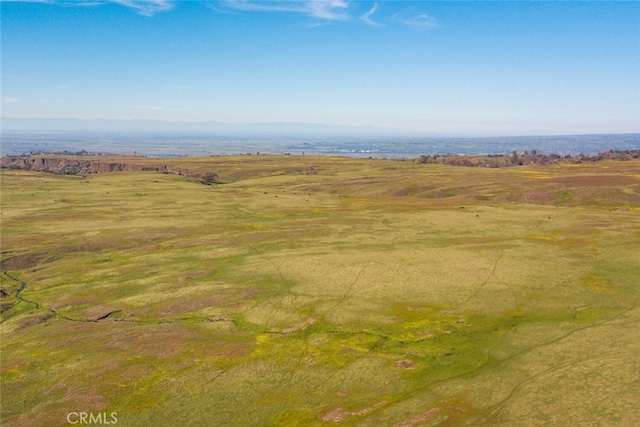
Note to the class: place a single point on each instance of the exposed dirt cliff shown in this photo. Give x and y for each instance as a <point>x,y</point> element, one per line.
<point>77,165</point>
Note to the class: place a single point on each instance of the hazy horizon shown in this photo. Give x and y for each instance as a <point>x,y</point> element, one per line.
<point>155,126</point>
<point>427,68</point>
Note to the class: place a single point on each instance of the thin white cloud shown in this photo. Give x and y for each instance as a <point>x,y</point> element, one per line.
<point>143,7</point>
<point>90,3</point>
<point>334,10</point>
<point>367,16</point>
<point>328,9</point>
<point>146,7</point>
<point>417,21</point>
<point>10,101</point>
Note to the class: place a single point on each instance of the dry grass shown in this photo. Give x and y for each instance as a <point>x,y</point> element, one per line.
<point>373,292</point>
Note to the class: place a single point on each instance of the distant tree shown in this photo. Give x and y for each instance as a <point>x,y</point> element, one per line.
<point>210,178</point>
<point>514,157</point>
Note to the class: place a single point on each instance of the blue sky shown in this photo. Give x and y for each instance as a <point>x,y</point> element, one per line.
<point>447,68</point>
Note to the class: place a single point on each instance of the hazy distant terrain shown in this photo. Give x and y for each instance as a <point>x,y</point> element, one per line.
<point>199,143</point>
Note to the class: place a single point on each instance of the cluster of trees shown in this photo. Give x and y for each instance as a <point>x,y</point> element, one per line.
<point>61,153</point>
<point>209,178</point>
<point>526,158</point>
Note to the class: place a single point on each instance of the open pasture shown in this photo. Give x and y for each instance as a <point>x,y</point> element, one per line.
<point>323,291</point>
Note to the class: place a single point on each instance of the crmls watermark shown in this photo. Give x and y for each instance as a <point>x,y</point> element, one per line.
<point>88,418</point>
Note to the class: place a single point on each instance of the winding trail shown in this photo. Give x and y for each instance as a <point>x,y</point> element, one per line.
<point>351,285</point>
<point>480,287</point>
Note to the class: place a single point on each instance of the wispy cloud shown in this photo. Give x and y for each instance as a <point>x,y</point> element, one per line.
<point>10,101</point>
<point>334,10</point>
<point>366,17</point>
<point>90,3</point>
<point>143,7</point>
<point>331,10</point>
<point>328,9</point>
<point>417,21</point>
<point>320,10</point>
<point>146,7</point>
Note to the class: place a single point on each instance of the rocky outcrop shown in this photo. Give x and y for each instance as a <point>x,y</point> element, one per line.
<point>67,166</point>
<point>77,165</point>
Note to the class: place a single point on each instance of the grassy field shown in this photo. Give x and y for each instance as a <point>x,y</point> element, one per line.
<point>323,291</point>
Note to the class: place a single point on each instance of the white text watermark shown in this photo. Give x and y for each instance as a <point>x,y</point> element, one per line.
<point>95,418</point>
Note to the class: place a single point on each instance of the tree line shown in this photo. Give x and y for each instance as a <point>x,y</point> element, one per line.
<point>525,158</point>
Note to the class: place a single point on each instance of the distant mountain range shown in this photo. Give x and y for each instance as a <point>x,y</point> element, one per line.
<point>212,127</point>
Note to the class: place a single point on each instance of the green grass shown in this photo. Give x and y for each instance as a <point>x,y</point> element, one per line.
<point>371,293</point>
